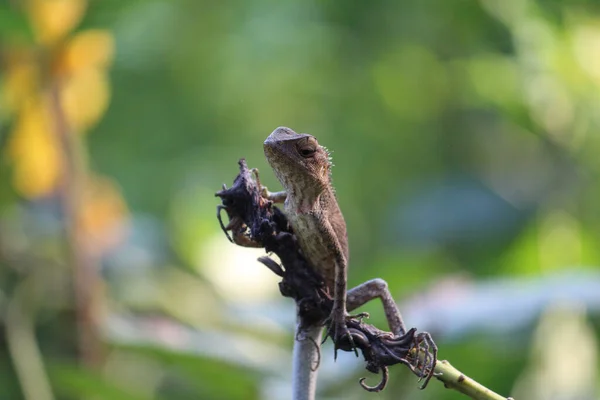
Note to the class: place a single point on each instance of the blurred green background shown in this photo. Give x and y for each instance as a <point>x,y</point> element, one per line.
<point>465,139</point>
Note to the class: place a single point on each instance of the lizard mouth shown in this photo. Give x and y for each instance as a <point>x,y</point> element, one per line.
<point>270,147</point>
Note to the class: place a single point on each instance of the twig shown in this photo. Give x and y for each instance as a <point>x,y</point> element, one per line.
<point>85,271</point>
<point>454,379</point>
<point>306,360</point>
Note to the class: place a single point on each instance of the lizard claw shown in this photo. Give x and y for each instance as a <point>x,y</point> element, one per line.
<point>264,192</point>
<point>360,316</point>
<point>337,329</point>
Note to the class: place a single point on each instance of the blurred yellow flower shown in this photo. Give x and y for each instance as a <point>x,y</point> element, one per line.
<point>101,214</point>
<point>92,48</point>
<point>85,90</point>
<point>84,98</point>
<point>77,70</point>
<point>52,20</point>
<point>21,79</point>
<point>34,152</point>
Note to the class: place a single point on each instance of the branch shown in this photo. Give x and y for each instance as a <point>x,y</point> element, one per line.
<point>306,358</point>
<point>86,280</point>
<point>254,222</point>
<point>454,379</point>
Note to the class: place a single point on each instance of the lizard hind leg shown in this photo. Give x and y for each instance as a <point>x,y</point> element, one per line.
<point>377,288</point>
<point>369,290</point>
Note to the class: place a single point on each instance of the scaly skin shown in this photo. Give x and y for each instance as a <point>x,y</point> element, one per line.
<point>303,167</point>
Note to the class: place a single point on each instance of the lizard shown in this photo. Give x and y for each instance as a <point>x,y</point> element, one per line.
<point>303,167</point>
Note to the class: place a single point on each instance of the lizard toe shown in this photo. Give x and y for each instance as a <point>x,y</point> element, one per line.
<point>342,339</point>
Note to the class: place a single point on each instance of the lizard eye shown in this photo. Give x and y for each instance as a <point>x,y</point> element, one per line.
<point>307,152</point>
<point>307,149</point>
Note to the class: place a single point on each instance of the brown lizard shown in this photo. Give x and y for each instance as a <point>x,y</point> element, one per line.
<point>303,168</point>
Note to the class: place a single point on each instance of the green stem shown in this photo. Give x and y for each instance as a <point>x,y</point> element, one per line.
<point>454,379</point>
<point>22,344</point>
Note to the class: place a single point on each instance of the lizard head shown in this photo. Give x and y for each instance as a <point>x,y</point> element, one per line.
<point>294,156</point>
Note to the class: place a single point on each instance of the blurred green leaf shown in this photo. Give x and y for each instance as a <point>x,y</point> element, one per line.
<point>75,381</point>
<point>14,24</point>
<point>208,378</point>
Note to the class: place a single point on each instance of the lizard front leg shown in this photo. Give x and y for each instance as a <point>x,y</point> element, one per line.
<point>370,290</point>
<point>275,197</point>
